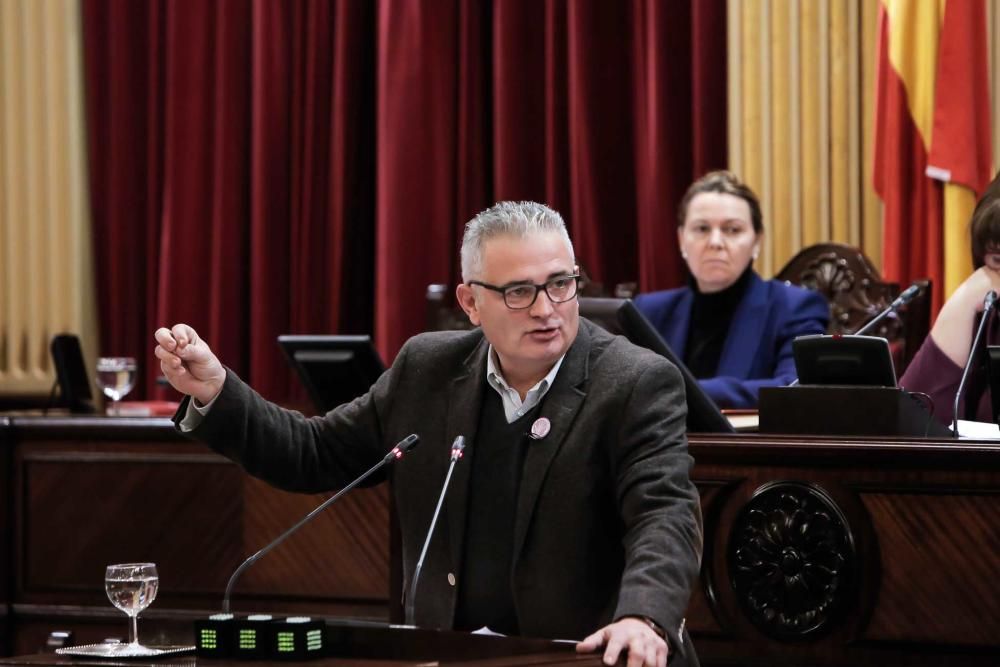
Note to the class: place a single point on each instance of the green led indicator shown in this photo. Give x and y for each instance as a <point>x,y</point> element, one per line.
<point>314,640</point>
<point>286,642</point>
<point>248,639</point>
<point>209,638</point>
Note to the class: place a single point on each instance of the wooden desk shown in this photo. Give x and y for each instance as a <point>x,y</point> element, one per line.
<point>353,644</point>
<point>85,492</point>
<point>535,659</point>
<point>915,522</point>
<point>914,526</point>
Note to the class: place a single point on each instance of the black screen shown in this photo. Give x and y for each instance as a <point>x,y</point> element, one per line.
<point>334,369</point>
<point>620,316</point>
<point>71,374</point>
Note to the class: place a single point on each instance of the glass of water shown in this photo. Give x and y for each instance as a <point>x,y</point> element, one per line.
<point>116,377</point>
<point>132,587</point>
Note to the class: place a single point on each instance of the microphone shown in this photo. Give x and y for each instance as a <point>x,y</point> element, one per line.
<point>457,448</point>
<point>988,303</point>
<point>397,452</point>
<point>904,298</point>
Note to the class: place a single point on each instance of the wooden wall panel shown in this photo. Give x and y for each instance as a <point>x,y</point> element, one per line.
<point>118,507</point>
<point>343,552</point>
<point>923,540</point>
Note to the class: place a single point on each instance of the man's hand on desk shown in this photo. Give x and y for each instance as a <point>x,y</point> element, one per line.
<point>189,363</point>
<point>635,636</point>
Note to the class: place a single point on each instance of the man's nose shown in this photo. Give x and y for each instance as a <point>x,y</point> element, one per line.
<point>542,305</point>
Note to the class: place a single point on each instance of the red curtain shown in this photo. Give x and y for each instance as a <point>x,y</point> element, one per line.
<point>232,175</point>
<point>261,167</point>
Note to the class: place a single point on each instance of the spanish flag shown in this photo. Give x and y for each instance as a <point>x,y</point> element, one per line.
<point>932,136</point>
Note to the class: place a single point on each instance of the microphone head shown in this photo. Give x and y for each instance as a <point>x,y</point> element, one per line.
<point>909,293</point>
<point>990,299</point>
<point>408,443</point>
<point>905,296</point>
<point>457,447</point>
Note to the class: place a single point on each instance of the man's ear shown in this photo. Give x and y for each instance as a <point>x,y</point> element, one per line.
<point>466,297</point>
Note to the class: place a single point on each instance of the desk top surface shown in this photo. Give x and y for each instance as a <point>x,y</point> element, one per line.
<point>553,659</point>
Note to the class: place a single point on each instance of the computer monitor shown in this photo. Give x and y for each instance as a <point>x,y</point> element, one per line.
<point>334,369</point>
<point>620,316</point>
<point>71,374</point>
<point>844,360</point>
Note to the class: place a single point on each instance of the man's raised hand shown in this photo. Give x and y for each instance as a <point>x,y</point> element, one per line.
<point>189,363</point>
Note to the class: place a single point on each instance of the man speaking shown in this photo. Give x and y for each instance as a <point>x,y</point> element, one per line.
<point>573,515</point>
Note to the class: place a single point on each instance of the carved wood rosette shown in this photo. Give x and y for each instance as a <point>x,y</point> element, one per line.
<point>792,561</point>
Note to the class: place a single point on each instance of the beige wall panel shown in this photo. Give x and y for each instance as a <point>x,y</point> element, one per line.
<point>783,219</point>
<point>14,314</point>
<point>734,86</point>
<point>855,171</point>
<point>46,278</point>
<point>813,142</point>
<point>816,60</point>
<point>841,109</point>
<point>871,205</point>
<point>754,112</point>
<point>38,287</point>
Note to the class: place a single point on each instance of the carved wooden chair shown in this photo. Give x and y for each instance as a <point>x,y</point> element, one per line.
<point>443,313</point>
<point>856,292</point>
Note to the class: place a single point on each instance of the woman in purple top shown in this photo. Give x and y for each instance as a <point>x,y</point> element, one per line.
<point>937,367</point>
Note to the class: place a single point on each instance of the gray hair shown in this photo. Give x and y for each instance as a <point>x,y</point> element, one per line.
<point>507,218</point>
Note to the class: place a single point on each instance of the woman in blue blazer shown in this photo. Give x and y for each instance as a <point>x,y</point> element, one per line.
<point>733,330</point>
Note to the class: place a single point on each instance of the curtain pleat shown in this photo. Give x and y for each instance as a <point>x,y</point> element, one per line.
<point>266,167</point>
<point>232,173</point>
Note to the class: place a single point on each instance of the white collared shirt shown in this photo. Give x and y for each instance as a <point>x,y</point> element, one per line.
<point>513,406</point>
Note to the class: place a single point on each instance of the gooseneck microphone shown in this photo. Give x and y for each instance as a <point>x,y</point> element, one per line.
<point>457,448</point>
<point>904,298</point>
<point>988,303</point>
<point>397,452</point>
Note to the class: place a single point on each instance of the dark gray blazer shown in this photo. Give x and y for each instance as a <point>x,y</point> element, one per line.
<point>608,522</point>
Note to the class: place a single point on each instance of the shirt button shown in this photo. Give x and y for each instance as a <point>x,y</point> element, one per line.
<point>451,579</point>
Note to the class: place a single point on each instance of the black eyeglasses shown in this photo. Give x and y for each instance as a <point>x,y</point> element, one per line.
<point>519,296</point>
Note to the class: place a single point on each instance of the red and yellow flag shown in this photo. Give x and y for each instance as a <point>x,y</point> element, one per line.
<point>932,136</point>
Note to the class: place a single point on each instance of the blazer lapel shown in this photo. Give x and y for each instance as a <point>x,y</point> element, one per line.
<point>745,331</point>
<point>678,324</point>
<point>559,406</point>
<point>465,400</point>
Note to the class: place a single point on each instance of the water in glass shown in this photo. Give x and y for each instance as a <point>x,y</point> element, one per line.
<point>132,595</point>
<point>132,587</point>
<point>116,377</point>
